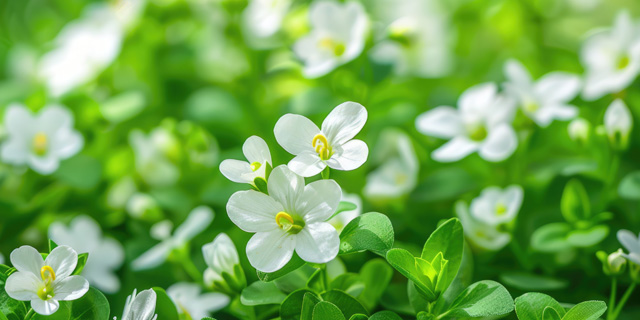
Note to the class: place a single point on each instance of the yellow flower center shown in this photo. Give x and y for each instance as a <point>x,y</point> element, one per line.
<point>255,166</point>
<point>40,143</point>
<point>531,107</point>
<point>402,34</point>
<point>287,223</point>
<point>48,276</point>
<point>337,47</point>
<point>321,144</point>
<point>501,209</point>
<point>623,62</point>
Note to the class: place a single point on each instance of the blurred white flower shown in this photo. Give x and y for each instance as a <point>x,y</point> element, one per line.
<point>579,130</point>
<point>481,123</point>
<point>618,122</point>
<point>141,205</point>
<point>40,140</point>
<point>333,146</point>
<point>220,256</point>
<point>632,243</point>
<point>546,99</point>
<point>292,217</point>
<point>141,306</point>
<point>417,38</point>
<point>337,36</point>
<point>152,156</point>
<point>189,301</point>
<point>1,259</point>
<point>105,254</point>
<point>45,282</point>
<point>344,217</point>
<point>480,234</point>
<point>497,206</point>
<point>120,192</point>
<point>616,261</point>
<point>397,174</point>
<point>611,58</point>
<point>257,153</point>
<point>198,220</point>
<point>263,18</point>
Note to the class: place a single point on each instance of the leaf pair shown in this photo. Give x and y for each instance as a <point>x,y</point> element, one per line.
<point>538,306</point>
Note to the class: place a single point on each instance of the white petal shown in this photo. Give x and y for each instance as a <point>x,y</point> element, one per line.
<point>220,255</point>
<point>27,259</point>
<point>295,133</point>
<point>53,118</point>
<point>63,260</point>
<point>517,73</point>
<point>499,144</point>
<point>253,211</point>
<point>15,151</point>
<point>319,201</point>
<point>557,87</point>
<point>442,122</point>
<point>152,257</point>
<point>344,122</point>
<point>211,302</point>
<point>318,243</point>
<point>513,197</point>
<point>198,220</point>
<point>307,164</point>
<point>351,156</point>
<point>547,114</point>
<point>45,308</point>
<point>617,117</point>
<point>629,240</point>
<point>102,278</point>
<point>18,120</point>
<point>256,150</point>
<point>477,101</point>
<point>23,286</point>
<point>270,251</point>
<point>236,170</point>
<point>143,306</point>
<point>70,288</point>
<point>44,165</point>
<point>285,186</point>
<point>66,143</point>
<point>110,252</point>
<point>454,150</point>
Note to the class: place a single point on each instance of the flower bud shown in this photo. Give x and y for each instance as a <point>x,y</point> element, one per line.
<point>224,272</point>
<point>579,130</point>
<point>612,264</point>
<point>618,123</point>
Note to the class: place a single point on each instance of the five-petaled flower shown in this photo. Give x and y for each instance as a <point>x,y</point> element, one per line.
<point>45,282</point>
<point>291,218</point>
<point>332,146</point>
<point>495,206</point>
<point>259,158</point>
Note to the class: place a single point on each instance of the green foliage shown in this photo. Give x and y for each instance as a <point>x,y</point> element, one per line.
<point>371,231</point>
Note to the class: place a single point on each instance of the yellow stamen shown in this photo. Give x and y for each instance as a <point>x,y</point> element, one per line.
<point>255,166</point>
<point>327,43</point>
<point>322,147</point>
<point>47,274</point>
<point>501,209</point>
<point>40,142</point>
<point>283,215</point>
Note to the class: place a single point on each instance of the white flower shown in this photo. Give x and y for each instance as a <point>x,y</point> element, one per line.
<point>105,254</point>
<point>343,218</point>
<point>40,140</point>
<point>190,302</point>
<point>141,306</point>
<point>141,205</point>
<point>262,18</point>
<point>220,256</point>
<point>579,130</point>
<point>495,206</point>
<point>632,243</point>
<point>292,217</point>
<point>546,99</point>
<point>337,36</point>
<point>616,260</point>
<point>618,122</point>
<point>397,174</point>
<point>198,220</point>
<point>1,259</point>
<point>332,146</point>
<point>611,58</point>
<point>417,38</point>
<point>257,153</point>
<point>480,234</point>
<point>45,282</point>
<point>152,156</point>
<point>481,123</point>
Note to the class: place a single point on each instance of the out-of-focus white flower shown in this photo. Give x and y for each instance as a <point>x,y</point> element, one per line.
<point>45,282</point>
<point>259,158</point>
<point>120,192</point>
<point>482,123</point>
<point>40,140</point>
<point>1,259</point>
<point>497,206</point>
<point>618,122</point>
<point>333,146</point>
<point>480,234</point>
<point>198,220</point>
<point>546,99</point>
<point>189,300</point>
<point>611,58</point>
<point>141,306</point>
<point>632,243</point>
<point>105,254</point>
<point>220,256</point>
<point>579,130</point>
<point>337,36</point>
<point>417,38</point>
<point>152,156</point>
<point>142,205</point>
<point>292,217</point>
<point>263,18</point>
<point>344,217</point>
<point>397,174</point>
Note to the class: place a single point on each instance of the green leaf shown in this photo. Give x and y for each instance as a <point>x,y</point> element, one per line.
<point>530,306</point>
<point>629,187</point>
<point>317,281</point>
<point>82,261</point>
<point>259,293</point>
<point>371,231</point>
<point>52,245</point>
<point>532,282</point>
<point>403,261</point>
<point>351,283</point>
<point>165,308</point>
<point>292,265</point>
<point>551,238</point>
<point>550,313</point>
<point>309,302</point>
<point>385,315</point>
<point>261,185</point>
<point>588,310</point>
<point>359,317</point>
<point>12,309</point>
<point>376,275</point>
<point>80,171</point>
<point>327,311</point>
<point>291,307</point>
<point>123,106</point>
<point>342,207</point>
<point>92,306</point>
<point>448,239</point>
<point>589,237</point>
<point>482,299</point>
<point>346,303</point>
<point>575,204</point>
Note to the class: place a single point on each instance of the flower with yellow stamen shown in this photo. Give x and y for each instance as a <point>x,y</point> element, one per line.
<point>259,161</point>
<point>497,206</point>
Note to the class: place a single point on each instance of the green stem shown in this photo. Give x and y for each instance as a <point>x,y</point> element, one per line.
<point>622,301</point>
<point>30,314</point>
<point>189,267</point>
<point>612,298</point>
<point>325,173</point>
